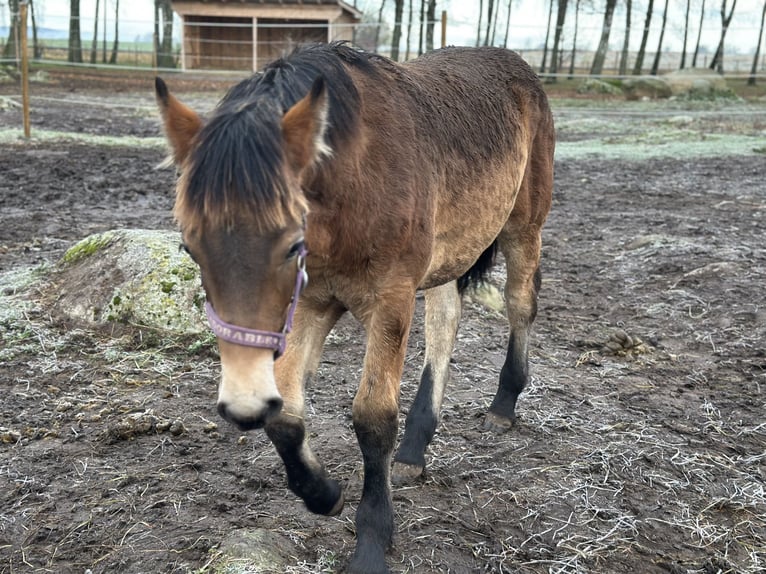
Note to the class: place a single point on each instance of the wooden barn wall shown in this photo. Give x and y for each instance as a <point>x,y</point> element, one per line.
<point>218,43</point>
<point>276,38</point>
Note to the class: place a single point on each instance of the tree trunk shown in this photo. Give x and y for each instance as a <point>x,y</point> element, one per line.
<point>686,33</point>
<point>409,32</point>
<point>494,23</point>
<point>547,37</point>
<point>113,57</point>
<point>623,69</point>
<point>603,45</point>
<point>656,63</point>
<point>103,37</point>
<point>642,49</point>
<point>508,24</point>
<point>717,63</point>
<point>478,26</point>
<point>561,15</point>
<point>74,52</point>
<point>380,23</point>
<point>166,59</point>
<point>37,50</point>
<point>9,51</point>
<point>754,69</point>
<point>699,35</point>
<point>397,37</point>
<point>94,44</point>
<point>422,26</point>
<point>488,34</point>
<point>574,40</point>
<point>430,22</point>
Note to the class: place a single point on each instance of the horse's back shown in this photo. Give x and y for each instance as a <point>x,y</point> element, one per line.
<point>488,132</point>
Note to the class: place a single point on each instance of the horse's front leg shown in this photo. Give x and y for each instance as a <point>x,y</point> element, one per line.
<point>375,414</point>
<point>306,476</point>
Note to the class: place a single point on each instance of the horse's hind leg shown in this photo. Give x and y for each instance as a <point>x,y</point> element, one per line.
<point>442,317</point>
<point>521,247</point>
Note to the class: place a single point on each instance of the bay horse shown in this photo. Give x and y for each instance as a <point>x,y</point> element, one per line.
<point>376,179</point>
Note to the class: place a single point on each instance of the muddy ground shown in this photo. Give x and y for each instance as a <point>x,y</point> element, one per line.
<point>643,456</point>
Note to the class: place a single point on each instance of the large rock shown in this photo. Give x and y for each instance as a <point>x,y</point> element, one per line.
<point>700,80</point>
<point>137,277</point>
<point>255,550</point>
<point>649,87</point>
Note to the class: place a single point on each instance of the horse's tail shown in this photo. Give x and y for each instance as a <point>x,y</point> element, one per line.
<point>479,270</point>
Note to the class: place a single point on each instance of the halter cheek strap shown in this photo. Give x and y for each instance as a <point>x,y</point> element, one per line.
<point>253,337</point>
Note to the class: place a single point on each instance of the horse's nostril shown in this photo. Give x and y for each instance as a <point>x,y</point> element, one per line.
<point>273,406</point>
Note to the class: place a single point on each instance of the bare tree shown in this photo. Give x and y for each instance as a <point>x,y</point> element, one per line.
<point>642,49</point>
<point>561,15</point>
<point>754,69</point>
<point>508,24</point>
<point>422,25</point>
<point>163,46</point>
<point>380,24</point>
<point>623,66</point>
<point>113,57</point>
<point>74,52</point>
<point>574,40</point>
<point>37,50</point>
<point>699,35</point>
<point>478,25</point>
<point>494,23</point>
<point>9,51</point>
<point>94,43</point>
<point>488,34</point>
<point>547,37</point>
<point>409,31</point>
<point>658,54</point>
<point>603,45</point>
<point>430,21</point>
<point>717,63</point>
<point>686,33</point>
<point>398,11</point>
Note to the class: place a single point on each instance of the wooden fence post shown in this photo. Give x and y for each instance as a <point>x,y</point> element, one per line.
<point>444,28</point>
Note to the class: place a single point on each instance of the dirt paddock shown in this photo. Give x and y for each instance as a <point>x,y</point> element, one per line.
<point>641,444</point>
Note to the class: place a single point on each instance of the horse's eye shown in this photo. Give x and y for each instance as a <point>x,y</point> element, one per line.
<point>296,249</point>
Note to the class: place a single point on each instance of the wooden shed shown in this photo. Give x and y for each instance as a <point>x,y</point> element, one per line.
<point>247,34</point>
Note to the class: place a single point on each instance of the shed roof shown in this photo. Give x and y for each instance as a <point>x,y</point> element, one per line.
<point>343,5</point>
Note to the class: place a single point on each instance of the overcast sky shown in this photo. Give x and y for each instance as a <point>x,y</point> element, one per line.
<point>528,22</point>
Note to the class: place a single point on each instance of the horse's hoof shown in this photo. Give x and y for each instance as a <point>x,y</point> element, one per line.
<point>497,423</point>
<point>404,473</point>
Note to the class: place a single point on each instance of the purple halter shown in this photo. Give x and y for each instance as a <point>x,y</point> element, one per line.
<point>253,337</point>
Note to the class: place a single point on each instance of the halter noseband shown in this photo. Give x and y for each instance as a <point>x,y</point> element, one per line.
<point>253,337</point>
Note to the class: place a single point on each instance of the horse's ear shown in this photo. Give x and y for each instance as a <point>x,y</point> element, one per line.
<point>181,123</point>
<point>304,126</point>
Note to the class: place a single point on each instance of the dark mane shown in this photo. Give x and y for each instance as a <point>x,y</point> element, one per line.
<point>237,160</point>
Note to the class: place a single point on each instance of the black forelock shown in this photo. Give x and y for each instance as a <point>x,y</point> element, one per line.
<point>237,159</point>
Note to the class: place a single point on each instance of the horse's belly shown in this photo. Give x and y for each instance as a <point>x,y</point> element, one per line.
<point>450,259</point>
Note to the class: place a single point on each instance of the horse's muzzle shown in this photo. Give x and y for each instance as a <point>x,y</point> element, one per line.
<point>250,421</point>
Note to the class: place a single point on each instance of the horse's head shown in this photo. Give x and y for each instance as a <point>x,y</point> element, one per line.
<point>241,209</point>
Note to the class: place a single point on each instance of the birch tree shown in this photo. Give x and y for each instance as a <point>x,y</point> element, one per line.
<point>717,63</point>
<point>623,67</point>
<point>658,54</point>
<point>74,51</point>
<point>699,35</point>
<point>644,37</point>
<point>561,15</point>
<point>603,45</point>
<point>754,68</point>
